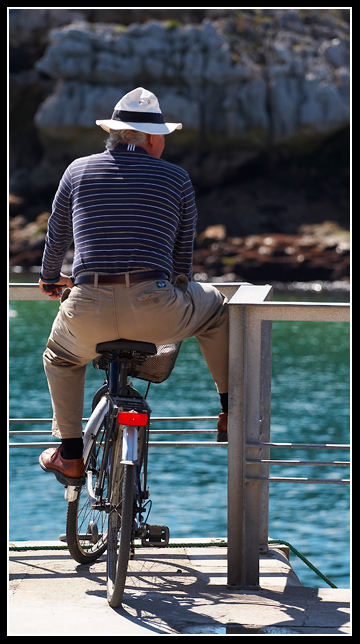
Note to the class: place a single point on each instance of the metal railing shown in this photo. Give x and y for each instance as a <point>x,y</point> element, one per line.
<point>189,432</point>
<point>152,443</point>
<point>251,314</point>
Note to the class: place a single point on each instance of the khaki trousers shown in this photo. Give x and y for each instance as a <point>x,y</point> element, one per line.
<point>151,311</point>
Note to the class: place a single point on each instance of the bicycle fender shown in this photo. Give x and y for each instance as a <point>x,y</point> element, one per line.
<point>93,424</point>
<point>129,444</point>
<point>71,493</point>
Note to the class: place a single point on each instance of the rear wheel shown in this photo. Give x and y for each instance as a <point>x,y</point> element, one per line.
<point>120,525</point>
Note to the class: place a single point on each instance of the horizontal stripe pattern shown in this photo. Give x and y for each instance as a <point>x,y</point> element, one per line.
<point>126,211</point>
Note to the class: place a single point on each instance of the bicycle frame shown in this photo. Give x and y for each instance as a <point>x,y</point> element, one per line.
<point>115,452</point>
<point>128,420</point>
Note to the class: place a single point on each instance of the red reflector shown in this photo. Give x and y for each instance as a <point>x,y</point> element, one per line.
<point>132,418</point>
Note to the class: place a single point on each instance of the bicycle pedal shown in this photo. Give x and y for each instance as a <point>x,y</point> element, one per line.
<point>157,536</point>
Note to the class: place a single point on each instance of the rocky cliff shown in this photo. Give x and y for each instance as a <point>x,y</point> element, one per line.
<point>263,95</point>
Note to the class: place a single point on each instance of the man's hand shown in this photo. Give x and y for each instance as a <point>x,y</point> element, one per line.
<point>56,288</point>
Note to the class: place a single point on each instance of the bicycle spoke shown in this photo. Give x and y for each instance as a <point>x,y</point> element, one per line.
<point>82,518</point>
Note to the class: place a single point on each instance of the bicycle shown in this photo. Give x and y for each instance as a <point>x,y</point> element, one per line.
<point>110,507</point>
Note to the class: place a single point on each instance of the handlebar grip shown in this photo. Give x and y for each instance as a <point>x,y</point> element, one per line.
<point>52,287</point>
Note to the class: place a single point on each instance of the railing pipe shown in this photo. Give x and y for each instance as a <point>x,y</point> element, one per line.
<point>31,291</point>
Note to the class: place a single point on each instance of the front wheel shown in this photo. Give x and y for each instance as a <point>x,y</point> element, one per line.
<point>86,528</point>
<point>120,528</point>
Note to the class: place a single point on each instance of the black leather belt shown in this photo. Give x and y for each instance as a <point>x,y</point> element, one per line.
<point>127,278</point>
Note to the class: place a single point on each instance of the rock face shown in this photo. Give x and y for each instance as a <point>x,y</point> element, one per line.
<point>297,87</point>
<point>263,95</point>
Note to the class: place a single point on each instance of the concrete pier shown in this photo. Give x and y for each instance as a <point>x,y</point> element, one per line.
<point>180,590</point>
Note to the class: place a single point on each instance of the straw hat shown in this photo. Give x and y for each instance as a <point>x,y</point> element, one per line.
<point>139,110</point>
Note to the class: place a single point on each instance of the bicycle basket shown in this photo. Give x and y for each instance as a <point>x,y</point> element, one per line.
<point>158,368</point>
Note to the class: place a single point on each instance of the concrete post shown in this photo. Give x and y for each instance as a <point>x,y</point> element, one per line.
<point>249,420</point>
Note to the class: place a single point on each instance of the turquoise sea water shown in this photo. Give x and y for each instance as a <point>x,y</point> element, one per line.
<point>188,486</point>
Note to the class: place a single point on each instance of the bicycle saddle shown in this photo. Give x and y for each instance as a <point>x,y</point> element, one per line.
<point>126,345</point>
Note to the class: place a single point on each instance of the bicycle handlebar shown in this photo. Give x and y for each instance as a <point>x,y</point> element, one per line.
<point>52,287</point>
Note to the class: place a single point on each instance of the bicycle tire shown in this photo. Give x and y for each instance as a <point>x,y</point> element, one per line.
<point>86,528</point>
<point>120,529</point>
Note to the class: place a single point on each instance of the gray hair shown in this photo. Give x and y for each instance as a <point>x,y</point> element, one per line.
<point>125,136</point>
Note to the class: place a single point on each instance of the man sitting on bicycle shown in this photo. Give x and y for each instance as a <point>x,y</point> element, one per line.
<point>132,217</point>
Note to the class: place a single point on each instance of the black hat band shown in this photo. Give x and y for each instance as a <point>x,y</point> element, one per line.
<point>137,117</point>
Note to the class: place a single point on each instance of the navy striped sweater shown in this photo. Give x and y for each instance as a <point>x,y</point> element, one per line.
<point>126,211</point>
